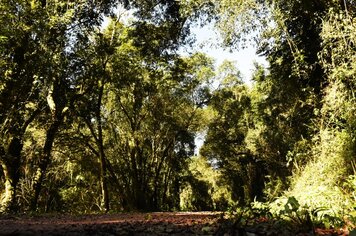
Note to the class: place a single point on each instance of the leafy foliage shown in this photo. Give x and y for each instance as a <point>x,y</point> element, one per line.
<point>205,189</point>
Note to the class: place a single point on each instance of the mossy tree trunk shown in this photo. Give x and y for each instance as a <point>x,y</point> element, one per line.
<point>11,165</point>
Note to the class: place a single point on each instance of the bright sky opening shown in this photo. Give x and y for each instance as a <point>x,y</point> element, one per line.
<point>208,41</point>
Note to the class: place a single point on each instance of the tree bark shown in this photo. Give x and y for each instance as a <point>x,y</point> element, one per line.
<point>44,162</point>
<point>103,180</point>
<point>105,201</point>
<point>11,165</point>
<point>56,102</point>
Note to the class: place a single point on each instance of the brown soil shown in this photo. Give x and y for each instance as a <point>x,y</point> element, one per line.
<point>160,223</point>
<point>203,223</point>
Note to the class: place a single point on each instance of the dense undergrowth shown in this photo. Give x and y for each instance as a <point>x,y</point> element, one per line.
<point>291,218</point>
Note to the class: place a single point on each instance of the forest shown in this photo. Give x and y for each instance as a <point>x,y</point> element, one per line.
<point>100,109</point>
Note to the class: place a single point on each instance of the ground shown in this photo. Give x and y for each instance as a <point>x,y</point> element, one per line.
<point>160,223</point>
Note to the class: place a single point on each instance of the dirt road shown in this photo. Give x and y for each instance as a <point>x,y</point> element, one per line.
<point>202,223</point>
<point>159,223</point>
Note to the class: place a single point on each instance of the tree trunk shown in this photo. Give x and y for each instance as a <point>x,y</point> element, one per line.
<point>11,165</point>
<point>44,162</point>
<point>56,101</point>
<point>8,201</point>
<point>100,153</point>
<point>103,180</point>
<point>103,165</point>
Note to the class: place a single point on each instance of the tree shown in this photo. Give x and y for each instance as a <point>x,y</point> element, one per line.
<point>334,143</point>
<point>288,104</point>
<point>18,106</point>
<point>124,75</point>
<point>49,68</point>
<point>36,47</point>
<point>153,127</point>
<point>225,142</point>
<point>293,89</point>
<point>205,187</point>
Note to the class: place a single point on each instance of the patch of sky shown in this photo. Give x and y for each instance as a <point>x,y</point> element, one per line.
<point>209,42</point>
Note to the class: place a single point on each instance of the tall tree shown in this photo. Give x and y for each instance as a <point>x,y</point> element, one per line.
<point>158,29</point>
<point>226,144</point>
<point>37,39</point>
<point>21,55</point>
<point>155,126</point>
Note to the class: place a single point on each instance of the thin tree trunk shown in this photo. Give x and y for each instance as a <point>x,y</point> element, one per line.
<point>100,153</point>
<point>104,185</point>
<point>44,162</point>
<point>103,164</point>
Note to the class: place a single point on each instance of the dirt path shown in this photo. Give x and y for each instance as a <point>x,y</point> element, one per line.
<point>202,223</point>
<point>167,223</point>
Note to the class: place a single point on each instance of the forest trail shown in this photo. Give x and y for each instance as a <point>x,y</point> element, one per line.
<point>159,223</point>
